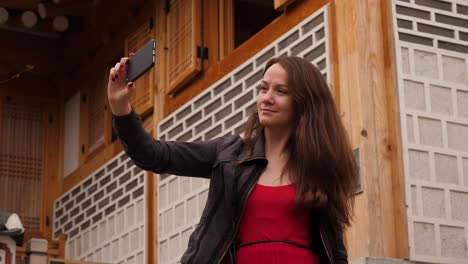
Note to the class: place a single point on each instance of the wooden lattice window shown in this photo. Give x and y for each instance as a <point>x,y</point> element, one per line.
<point>21,162</point>
<point>96,114</point>
<point>142,99</point>
<point>184,37</point>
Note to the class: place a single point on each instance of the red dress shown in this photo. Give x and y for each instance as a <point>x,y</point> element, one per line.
<point>268,215</point>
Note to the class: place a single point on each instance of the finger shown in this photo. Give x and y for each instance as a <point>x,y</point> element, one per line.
<point>131,54</point>
<point>123,61</point>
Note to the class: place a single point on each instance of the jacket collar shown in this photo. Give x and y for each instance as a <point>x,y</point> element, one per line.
<point>258,152</point>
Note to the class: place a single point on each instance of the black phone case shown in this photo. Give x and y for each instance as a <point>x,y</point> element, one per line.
<point>142,61</point>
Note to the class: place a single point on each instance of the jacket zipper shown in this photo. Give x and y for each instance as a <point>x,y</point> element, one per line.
<point>325,246</point>
<point>238,222</point>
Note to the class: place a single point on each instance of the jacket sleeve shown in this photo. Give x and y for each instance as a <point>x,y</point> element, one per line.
<point>179,158</point>
<point>339,251</point>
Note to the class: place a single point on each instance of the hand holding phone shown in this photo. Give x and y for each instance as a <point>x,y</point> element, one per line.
<point>141,62</point>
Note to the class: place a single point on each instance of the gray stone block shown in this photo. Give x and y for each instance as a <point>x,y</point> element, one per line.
<point>441,100</point>
<point>409,128</point>
<point>405,60</point>
<point>433,202</point>
<point>424,239</point>
<point>414,95</point>
<point>425,64</point>
<point>419,164</point>
<point>462,103</point>
<point>430,132</point>
<point>453,242</point>
<point>457,136</point>
<point>454,70</point>
<point>459,202</point>
<point>379,260</point>
<point>446,169</point>
<point>36,245</point>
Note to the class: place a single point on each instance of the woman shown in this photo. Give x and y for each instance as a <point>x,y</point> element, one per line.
<point>283,194</point>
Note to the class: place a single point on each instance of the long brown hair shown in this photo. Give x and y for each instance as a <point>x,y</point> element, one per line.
<point>321,163</point>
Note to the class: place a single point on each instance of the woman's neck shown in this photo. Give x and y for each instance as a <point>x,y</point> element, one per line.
<point>276,141</point>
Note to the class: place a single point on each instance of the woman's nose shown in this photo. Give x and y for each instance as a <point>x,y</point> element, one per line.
<point>267,97</point>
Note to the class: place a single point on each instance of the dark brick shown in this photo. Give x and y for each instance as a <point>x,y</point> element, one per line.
<point>142,177</point>
<point>404,23</point>
<point>117,194</point>
<point>74,232</point>
<point>222,86</point>
<point>129,164</point>
<point>111,187</point>
<point>98,195</point>
<point>123,158</point>
<point>315,53</point>
<point>125,177</point>
<point>213,132</point>
<point>131,185</point>
<point>193,119</point>
<point>91,211</point>
<point>312,24</point>
<point>118,171</point>
<point>79,218</point>
<point>86,204</point>
<point>97,217</point>
<point>243,72</point>
<point>63,219</point>
<point>162,137</point>
<point>58,213</point>
<point>452,46</point>
<point>124,201</point>
<point>164,126</point>
<point>88,182</point>
<point>65,199</point>
<point>407,11</point>
<point>92,189</point>
<point>85,225</point>
<point>454,21</point>
<point>186,136</point>
<point>415,39</point>
<point>463,36</point>
<point>104,202</point>
<point>163,176</point>
<point>251,108</point>
<point>57,204</point>
<point>240,129</point>
<point>176,130</point>
<point>320,34</point>
<point>68,226</point>
<point>223,113</point>
<point>233,120</point>
<point>112,165</point>
<point>76,190</point>
<point>183,113</point>
<point>233,92</point>
<point>265,57</point>
<point>243,100</point>
<point>56,234</point>
<point>254,79</point>
<point>109,209</point>
<point>202,126</point>
<point>435,4</point>
<point>69,205</point>
<point>138,192</point>
<point>99,174</point>
<point>436,30</point>
<point>136,170</point>
<point>75,211</point>
<point>299,47</point>
<point>202,100</point>
<point>105,180</point>
<point>462,9</point>
<point>288,40</point>
<point>213,106</point>
<point>80,197</point>
<point>322,64</point>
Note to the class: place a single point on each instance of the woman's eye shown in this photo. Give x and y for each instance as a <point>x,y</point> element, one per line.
<point>263,88</point>
<point>282,91</point>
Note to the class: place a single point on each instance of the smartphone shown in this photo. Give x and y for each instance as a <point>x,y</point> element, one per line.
<point>141,62</point>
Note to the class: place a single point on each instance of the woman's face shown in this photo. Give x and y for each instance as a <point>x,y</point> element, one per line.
<point>274,103</point>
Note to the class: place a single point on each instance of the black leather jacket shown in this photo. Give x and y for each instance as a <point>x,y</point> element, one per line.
<point>230,185</point>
